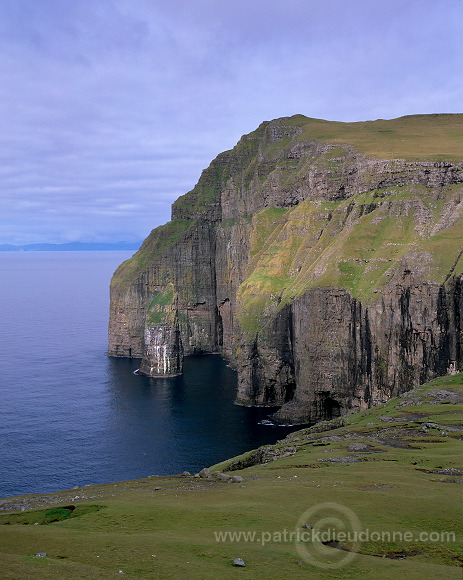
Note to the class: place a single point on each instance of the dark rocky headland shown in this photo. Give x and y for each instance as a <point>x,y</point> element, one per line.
<point>324,260</point>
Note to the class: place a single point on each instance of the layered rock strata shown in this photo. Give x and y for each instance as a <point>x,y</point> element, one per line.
<point>329,277</point>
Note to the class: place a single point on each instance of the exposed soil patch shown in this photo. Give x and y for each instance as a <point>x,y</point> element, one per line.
<point>353,459</point>
<point>377,487</point>
<point>392,555</point>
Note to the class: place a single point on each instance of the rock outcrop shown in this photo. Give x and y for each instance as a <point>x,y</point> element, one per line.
<point>323,260</point>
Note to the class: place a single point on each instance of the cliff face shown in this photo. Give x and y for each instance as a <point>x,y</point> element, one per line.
<point>324,260</point>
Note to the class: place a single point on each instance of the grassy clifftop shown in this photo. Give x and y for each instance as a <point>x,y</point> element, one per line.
<point>262,152</point>
<point>413,137</point>
<point>392,473</point>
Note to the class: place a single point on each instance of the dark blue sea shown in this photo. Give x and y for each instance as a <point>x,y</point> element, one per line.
<point>70,415</point>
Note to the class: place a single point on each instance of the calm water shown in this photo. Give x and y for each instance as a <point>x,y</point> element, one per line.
<point>70,415</point>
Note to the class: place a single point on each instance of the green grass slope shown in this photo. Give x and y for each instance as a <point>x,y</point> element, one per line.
<point>391,475</point>
<point>359,244</point>
<point>413,137</point>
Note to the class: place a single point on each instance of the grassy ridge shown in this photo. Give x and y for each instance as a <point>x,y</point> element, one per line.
<point>413,137</point>
<point>396,467</point>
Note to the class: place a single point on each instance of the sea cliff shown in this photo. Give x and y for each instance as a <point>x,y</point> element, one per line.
<point>324,260</point>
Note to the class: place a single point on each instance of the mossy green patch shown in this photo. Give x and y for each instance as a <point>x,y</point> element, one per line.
<point>161,306</point>
<point>336,153</point>
<point>157,245</point>
<point>48,516</point>
<point>165,297</point>
<point>265,224</point>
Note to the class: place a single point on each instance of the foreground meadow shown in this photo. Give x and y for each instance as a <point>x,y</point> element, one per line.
<point>374,495</point>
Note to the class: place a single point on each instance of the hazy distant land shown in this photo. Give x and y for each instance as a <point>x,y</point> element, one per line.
<point>71,247</point>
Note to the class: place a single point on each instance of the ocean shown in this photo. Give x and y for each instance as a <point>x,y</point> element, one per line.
<point>71,416</point>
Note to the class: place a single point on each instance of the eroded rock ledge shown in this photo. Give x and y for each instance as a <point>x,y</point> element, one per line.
<point>329,277</point>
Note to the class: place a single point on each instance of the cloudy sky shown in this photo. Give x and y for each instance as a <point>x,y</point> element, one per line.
<point>110,109</point>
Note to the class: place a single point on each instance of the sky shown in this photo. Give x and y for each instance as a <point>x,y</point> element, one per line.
<point>110,109</point>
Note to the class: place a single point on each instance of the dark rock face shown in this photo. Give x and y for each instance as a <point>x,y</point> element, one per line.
<point>329,279</point>
<point>355,356</point>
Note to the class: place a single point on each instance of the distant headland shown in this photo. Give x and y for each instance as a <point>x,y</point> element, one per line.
<point>71,247</point>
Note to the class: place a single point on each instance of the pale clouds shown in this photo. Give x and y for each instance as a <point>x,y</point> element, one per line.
<point>110,109</point>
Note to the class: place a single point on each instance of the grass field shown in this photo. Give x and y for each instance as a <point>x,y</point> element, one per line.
<point>390,477</point>
<point>413,137</point>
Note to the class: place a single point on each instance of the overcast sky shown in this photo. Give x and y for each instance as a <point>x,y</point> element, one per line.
<point>110,109</point>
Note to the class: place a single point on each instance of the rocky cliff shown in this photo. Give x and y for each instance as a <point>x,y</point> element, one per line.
<point>323,260</point>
